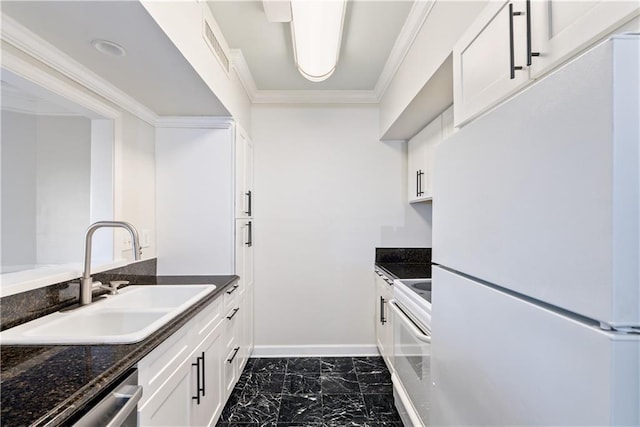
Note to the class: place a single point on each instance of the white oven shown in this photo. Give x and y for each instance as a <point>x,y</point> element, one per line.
<point>412,351</point>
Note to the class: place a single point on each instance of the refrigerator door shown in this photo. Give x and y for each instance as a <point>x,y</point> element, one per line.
<point>500,360</point>
<point>542,195</point>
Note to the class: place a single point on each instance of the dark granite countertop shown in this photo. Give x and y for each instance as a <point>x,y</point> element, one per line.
<point>50,385</point>
<point>404,263</point>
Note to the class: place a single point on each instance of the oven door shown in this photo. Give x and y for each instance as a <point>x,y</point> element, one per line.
<point>412,377</point>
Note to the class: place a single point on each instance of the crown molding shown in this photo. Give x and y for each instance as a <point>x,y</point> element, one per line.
<point>26,41</point>
<point>194,122</point>
<point>415,20</point>
<point>315,97</point>
<point>239,64</point>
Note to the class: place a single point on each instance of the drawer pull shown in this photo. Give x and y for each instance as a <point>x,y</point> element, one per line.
<point>235,353</point>
<point>235,310</point>
<point>233,289</point>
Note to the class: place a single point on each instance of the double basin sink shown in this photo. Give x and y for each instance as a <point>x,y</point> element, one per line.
<point>127,317</point>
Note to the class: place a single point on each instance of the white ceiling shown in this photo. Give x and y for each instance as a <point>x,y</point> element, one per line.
<point>153,71</point>
<point>376,35</point>
<point>370,32</point>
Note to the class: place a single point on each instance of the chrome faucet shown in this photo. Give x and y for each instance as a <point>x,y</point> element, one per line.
<point>86,283</point>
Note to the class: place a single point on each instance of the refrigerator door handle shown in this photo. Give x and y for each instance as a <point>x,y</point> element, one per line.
<point>421,336</point>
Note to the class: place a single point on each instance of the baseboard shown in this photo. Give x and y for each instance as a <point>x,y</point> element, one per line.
<point>314,350</point>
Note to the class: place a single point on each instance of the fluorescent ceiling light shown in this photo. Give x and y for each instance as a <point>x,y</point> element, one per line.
<point>316,29</point>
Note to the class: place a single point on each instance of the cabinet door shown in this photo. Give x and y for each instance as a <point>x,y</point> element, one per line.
<point>171,405</point>
<point>486,58</point>
<point>244,175</point>
<point>432,135</point>
<point>383,327</point>
<point>212,398</point>
<point>416,166</point>
<point>561,28</point>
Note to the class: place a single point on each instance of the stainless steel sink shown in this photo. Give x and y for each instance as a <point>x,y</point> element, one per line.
<point>130,316</point>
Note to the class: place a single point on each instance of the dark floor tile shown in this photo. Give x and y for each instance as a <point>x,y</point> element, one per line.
<point>379,382</point>
<point>302,384</point>
<point>267,382</point>
<point>343,408</point>
<point>369,365</point>
<point>337,364</point>
<point>255,407</point>
<point>366,424</point>
<point>303,365</point>
<point>345,382</point>
<point>234,398</point>
<point>300,409</point>
<point>250,362</point>
<point>380,407</point>
<point>244,377</point>
<point>302,424</point>
<point>275,364</point>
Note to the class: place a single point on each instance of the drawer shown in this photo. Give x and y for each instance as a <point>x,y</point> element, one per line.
<point>231,295</point>
<point>230,326</point>
<point>207,320</point>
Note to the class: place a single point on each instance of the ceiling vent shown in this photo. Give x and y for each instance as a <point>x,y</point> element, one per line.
<point>215,46</point>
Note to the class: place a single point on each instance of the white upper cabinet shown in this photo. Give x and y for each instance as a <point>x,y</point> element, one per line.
<point>488,59</point>
<point>559,28</point>
<point>514,42</point>
<point>421,150</point>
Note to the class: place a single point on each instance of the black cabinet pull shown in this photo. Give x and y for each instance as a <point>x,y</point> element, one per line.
<point>512,59</point>
<point>530,54</point>
<point>203,377</point>
<point>249,243</point>
<point>248,211</point>
<point>235,353</point>
<point>383,319</point>
<point>417,183</point>
<point>420,175</point>
<point>235,310</point>
<point>233,289</point>
<point>199,385</point>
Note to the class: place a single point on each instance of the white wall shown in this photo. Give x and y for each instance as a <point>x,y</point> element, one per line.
<point>327,192</point>
<point>138,176</point>
<point>63,187</point>
<point>18,227</point>
<point>446,22</point>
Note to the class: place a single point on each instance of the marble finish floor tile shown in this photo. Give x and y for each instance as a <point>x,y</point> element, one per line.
<point>312,392</point>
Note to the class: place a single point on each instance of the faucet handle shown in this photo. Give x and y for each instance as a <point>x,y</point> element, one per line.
<point>113,285</point>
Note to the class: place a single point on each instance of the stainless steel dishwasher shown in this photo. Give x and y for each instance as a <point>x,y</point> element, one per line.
<point>118,408</point>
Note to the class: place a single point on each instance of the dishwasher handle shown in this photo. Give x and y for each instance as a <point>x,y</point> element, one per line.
<point>133,394</point>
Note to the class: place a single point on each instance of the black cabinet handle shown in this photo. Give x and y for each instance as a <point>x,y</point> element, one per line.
<point>235,310</point>
<point>233,289</point>
<point>420,175</point>
<point>199,385</point>
<point>512,60</point>
<point>248,194</point>
<point>530,54</point>
<point>235,353</point>
<point>249,243</point>
<point>383,319</point>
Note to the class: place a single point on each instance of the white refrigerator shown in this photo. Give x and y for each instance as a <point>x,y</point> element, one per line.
<point>536,292</point>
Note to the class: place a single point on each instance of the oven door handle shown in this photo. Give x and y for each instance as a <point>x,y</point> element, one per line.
<point>421,336</point>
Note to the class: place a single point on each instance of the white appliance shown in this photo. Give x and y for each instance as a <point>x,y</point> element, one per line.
<point>411,377</point>
<point>536,315</point>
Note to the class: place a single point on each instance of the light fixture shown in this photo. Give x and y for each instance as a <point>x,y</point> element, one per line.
<point>107,47</point>
<point>316,30</point>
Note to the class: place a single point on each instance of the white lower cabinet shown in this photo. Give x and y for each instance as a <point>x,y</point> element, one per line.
<point>188,378</point>
<point>384,329</point>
